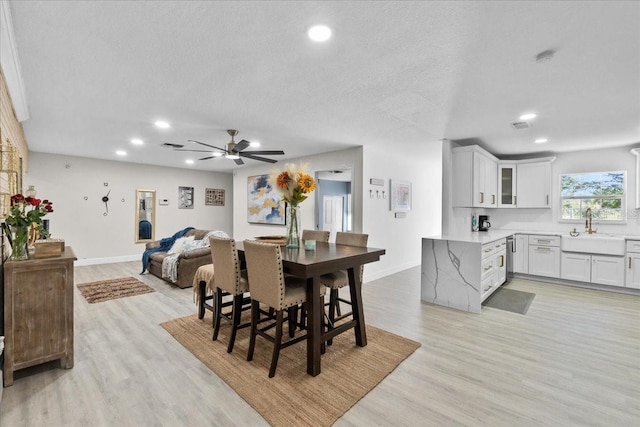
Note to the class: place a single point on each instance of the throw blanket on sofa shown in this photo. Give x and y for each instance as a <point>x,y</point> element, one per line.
<point>165,245</point>
<point>170,262</point>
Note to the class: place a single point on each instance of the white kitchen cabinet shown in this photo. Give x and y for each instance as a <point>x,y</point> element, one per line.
<point>601,269</point>
<point>494,267</point>
<point>544,255</point>
<point>632,267</point>
<point>576,266</point>
<point>474,175</point>
<point>533,185</point>
<point>521,254</point>
<point>507,179</point>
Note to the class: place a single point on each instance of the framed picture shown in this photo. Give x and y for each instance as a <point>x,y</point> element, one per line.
<point>213,197</point>
<point>185,197</point>
<point>264,203</point>
<point>400,195</point>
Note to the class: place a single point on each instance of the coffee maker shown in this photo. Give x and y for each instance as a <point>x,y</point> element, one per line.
<point>484,223</point>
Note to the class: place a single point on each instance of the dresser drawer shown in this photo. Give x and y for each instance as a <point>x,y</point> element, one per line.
<point>540,240</point>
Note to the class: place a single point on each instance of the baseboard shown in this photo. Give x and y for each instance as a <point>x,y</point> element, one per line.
<point>108,260</point>
<point>564,282</point>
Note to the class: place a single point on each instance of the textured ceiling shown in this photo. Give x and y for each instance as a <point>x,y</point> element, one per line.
<point>396,74</point>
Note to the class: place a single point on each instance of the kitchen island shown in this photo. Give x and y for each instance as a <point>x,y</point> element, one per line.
<point>460,271</point>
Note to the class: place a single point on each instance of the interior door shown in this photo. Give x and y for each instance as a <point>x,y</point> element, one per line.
<point>332,218</point>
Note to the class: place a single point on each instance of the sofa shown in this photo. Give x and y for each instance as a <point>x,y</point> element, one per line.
<point>189,252</point>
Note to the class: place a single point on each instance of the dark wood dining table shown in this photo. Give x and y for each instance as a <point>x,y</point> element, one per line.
<point>327,258</point>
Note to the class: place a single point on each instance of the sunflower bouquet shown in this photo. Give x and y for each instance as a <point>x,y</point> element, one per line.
<point>294,183</point>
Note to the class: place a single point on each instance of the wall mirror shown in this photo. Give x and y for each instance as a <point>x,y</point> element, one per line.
<point>333,201</point>
<point>145,215</point>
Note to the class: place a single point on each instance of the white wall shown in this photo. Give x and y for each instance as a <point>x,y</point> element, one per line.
<point>66,180</point>
<point>547,219</point>
<point>401,238</point>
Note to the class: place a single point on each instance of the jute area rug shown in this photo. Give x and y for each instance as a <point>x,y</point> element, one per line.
<point>106,290</point>
<point>293,398</point>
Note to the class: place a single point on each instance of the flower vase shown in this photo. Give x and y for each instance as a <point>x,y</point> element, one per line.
<point>293,226</point>
<point>20,235</point>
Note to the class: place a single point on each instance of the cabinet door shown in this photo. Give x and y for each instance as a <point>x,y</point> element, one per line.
<point>462,189</point>
<point>521,254</point>
<point>500,268</point>
<point>576,266</point>
<point>607,270</point>
<point>480,164</point>
<point>491,183</point>
<point>633,271</point>
<point>507,185</point>
<point>544,261</point>
<point>534,185</point>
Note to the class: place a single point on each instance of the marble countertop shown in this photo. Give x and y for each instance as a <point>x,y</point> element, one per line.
<point>497,234</point>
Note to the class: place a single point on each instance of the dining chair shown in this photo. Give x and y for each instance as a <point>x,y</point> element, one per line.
<point>228,279</point>
<point>339,279</point>
<point>271,287</point>
<point>317,235</point>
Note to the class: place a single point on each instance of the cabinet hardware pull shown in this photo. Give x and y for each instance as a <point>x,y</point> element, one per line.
<point>542,248</point>
<point>481,197</point>
<point>515,200</point>
<point>629,263</point>
<point>501,260</point>
<point>547,200</point>
<point>541,241</point>
<point>493,199</point>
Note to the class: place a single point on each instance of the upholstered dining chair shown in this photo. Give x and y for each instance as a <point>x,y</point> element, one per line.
<point>271,287</point>
<point>339,279</point>
<point>317,235</point>
<point>228,279</point>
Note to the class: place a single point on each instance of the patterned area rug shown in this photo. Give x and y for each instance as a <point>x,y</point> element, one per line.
<point>106,290</point>
<point>293,398</point>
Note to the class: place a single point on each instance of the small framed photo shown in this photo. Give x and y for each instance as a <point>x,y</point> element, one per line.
<point>185,197</point>
<point>213,197</point>
<point>400,195</point>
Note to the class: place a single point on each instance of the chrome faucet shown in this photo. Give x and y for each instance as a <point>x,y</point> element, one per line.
<point>587,224</point>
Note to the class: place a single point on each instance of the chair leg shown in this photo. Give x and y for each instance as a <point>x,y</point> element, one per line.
<point>202,292</point>
<point>235,316</point>
<point>303,316</point>
<point>292,318</point>
<point>323,345</point>
<point>217,310</point>
<point>276,344</point>
<point>332,311</point>
<point>335,294</point>
<point>255,319</point>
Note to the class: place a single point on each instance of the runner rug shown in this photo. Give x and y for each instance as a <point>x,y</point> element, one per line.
<point>106,290</point>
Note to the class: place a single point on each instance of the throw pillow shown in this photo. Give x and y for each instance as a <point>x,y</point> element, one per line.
<point>191,244</point>
<point>215,233</point>
<point>178,244</point>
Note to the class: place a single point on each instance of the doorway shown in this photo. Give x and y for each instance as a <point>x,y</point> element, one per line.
<point>334,201</point>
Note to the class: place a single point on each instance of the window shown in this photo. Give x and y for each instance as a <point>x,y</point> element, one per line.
<point>603,192</point>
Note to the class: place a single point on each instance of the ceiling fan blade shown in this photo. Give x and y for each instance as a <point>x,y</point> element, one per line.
<point>238,161</point>
<point>262,159</point>
<point>241,146</point>
<point>267,152</point>
<point>212,146</point>
<point>194,151</point>
<point>210,157</point>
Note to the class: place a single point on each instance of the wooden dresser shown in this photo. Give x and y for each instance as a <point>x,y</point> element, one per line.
<point>38,312</point>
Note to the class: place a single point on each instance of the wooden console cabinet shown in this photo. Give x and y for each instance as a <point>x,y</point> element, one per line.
<point>38,312</point>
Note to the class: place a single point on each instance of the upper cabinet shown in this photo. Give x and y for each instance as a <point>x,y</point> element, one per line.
<point>475,174</point>
<point>480,180</point>
<point>534,185</point>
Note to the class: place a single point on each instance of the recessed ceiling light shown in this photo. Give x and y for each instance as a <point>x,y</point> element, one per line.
<point>137,141</point>
<point>254,144</point>
<point>319,33</point>
<point>528,116</point>
<point>121,153</point>
<point>189,161</point>
<point>162,124</point>
<point>216,154</point>
<point>540,140</point>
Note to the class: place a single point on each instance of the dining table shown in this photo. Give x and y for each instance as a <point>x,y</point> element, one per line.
<point>310,265</point>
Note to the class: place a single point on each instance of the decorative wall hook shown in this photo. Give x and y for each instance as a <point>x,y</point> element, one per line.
<point>377,194</point>
<point>370,193</point>
<point>384,196</point>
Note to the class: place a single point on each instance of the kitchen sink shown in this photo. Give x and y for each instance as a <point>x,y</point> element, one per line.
<point>604,244</point>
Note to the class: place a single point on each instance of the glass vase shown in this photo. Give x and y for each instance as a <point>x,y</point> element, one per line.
<point>20,236</point>
<point>293,226</point>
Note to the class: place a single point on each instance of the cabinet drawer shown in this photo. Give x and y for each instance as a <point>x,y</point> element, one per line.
<point>488,249</point>
<point>500,245</point>
<point>487,268</point>
<point>540,240</point>
<point>633,245</point>
<point>486,286</point>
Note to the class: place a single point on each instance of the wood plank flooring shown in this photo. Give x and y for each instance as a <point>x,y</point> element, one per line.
<point>573,360</point>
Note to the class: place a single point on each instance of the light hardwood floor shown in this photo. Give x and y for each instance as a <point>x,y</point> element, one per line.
<point>573,360</point>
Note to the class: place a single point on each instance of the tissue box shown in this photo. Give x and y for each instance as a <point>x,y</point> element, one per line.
<point>49,248</point>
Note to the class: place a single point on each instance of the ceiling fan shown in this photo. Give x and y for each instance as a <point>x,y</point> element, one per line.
<point>234,151</point>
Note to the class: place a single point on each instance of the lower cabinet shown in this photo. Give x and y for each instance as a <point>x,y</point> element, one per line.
<point>600,269</point>
<point>633,271</point>
<point>494,267</point>
<point>544,260</point>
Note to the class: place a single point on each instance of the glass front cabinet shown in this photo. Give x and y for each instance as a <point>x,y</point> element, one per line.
<point>507,197</point>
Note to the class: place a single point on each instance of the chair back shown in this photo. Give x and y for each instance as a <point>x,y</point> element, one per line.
<point>226,265</point>
<point>317,235</point>
<point>353,239</point>
<point>264,268</point>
